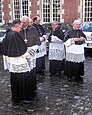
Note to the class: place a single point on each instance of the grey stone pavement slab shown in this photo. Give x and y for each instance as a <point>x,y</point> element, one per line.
<point>55,95</point>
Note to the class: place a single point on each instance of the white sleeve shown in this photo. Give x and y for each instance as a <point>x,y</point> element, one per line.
<point>69,42</point>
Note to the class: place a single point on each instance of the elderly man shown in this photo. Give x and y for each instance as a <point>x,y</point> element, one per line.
<point>74,43</point>
<point>31,38</point>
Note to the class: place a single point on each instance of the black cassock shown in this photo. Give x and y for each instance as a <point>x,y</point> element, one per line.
<point>23,84</point>
<point>56,66</point>
<point>72,67</point>
<point>40,61</point>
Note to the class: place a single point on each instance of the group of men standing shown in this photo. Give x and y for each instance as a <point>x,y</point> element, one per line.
<point>24,50</point>
<point>35,38</point>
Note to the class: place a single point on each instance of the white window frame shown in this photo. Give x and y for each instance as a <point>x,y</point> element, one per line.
<point>57,8</point>
<point>16,9</point>
<point>25,9</point>
<point>42,11</point>
<point>20,9</point>
<point>87,10</point>
<point>51,11</point>
<point>1,13</point>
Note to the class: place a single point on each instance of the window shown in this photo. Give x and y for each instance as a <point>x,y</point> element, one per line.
<point>0,12</point>
<point>25,7</point>
<point>20,8</point>
<point>87,7</point>
<point>51,10</point>
<point>56,9</point>
<point>16,9</point>
<point>46,11</point>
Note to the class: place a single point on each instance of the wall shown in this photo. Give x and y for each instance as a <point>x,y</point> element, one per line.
<point>33,8</point>
<point>6,10</point>
<point>71,10</point>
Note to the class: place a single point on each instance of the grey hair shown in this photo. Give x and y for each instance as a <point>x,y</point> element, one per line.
<point>24,17</point>
<point>77,21</point>
<point>55,22</point>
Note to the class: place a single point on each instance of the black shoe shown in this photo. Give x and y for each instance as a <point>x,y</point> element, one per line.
<point>40,73</point>
<point>27,102</point>
<point>69,79</point>
<point>79,79</point>
<point>52,74</point>
<point>57,74</point>
<point>16,105</point>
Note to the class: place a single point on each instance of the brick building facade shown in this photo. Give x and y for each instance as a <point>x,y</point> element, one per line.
<point>71,10</point>
<point>48,10</point>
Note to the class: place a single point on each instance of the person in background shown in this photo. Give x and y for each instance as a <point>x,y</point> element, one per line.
<point>40,55</point>
<point>16,58</point>
<point>30,21</point>
<point>56,50</point>
<point>30,36</point>
<point>74,43</point>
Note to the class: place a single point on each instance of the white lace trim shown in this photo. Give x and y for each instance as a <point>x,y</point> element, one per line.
<point>32,63</point>
<point>55,54</point>
<point>74,53</point>
<point>69,42</point>
<point>76,49</point>
<point>32,60</point>
<point>56,51</point>
<point>42,50</point>
<point>75,57</point>
<point>18,68</point>
<point>16,64</point>
<point>55,39</point>
<point>59,46</point>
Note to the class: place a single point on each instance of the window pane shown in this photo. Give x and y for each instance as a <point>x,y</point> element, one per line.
<point>0,12</point>
<point>88,10</point>
<point>46,11</point>
<point>51,12</point>
<point>56,9</point>
<point>17,9</point>
<point>25,7</point>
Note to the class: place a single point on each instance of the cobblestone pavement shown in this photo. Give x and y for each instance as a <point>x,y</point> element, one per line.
<point>56,96</point>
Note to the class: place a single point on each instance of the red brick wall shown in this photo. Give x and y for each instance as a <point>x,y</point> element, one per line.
<point>33,8</point>
<point>6,10</point>
<point>71,10</point>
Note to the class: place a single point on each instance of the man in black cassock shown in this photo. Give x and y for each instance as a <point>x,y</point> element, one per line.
<point>74,43</point>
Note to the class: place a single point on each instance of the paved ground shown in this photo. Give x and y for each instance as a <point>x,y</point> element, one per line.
<point>56,96</point>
